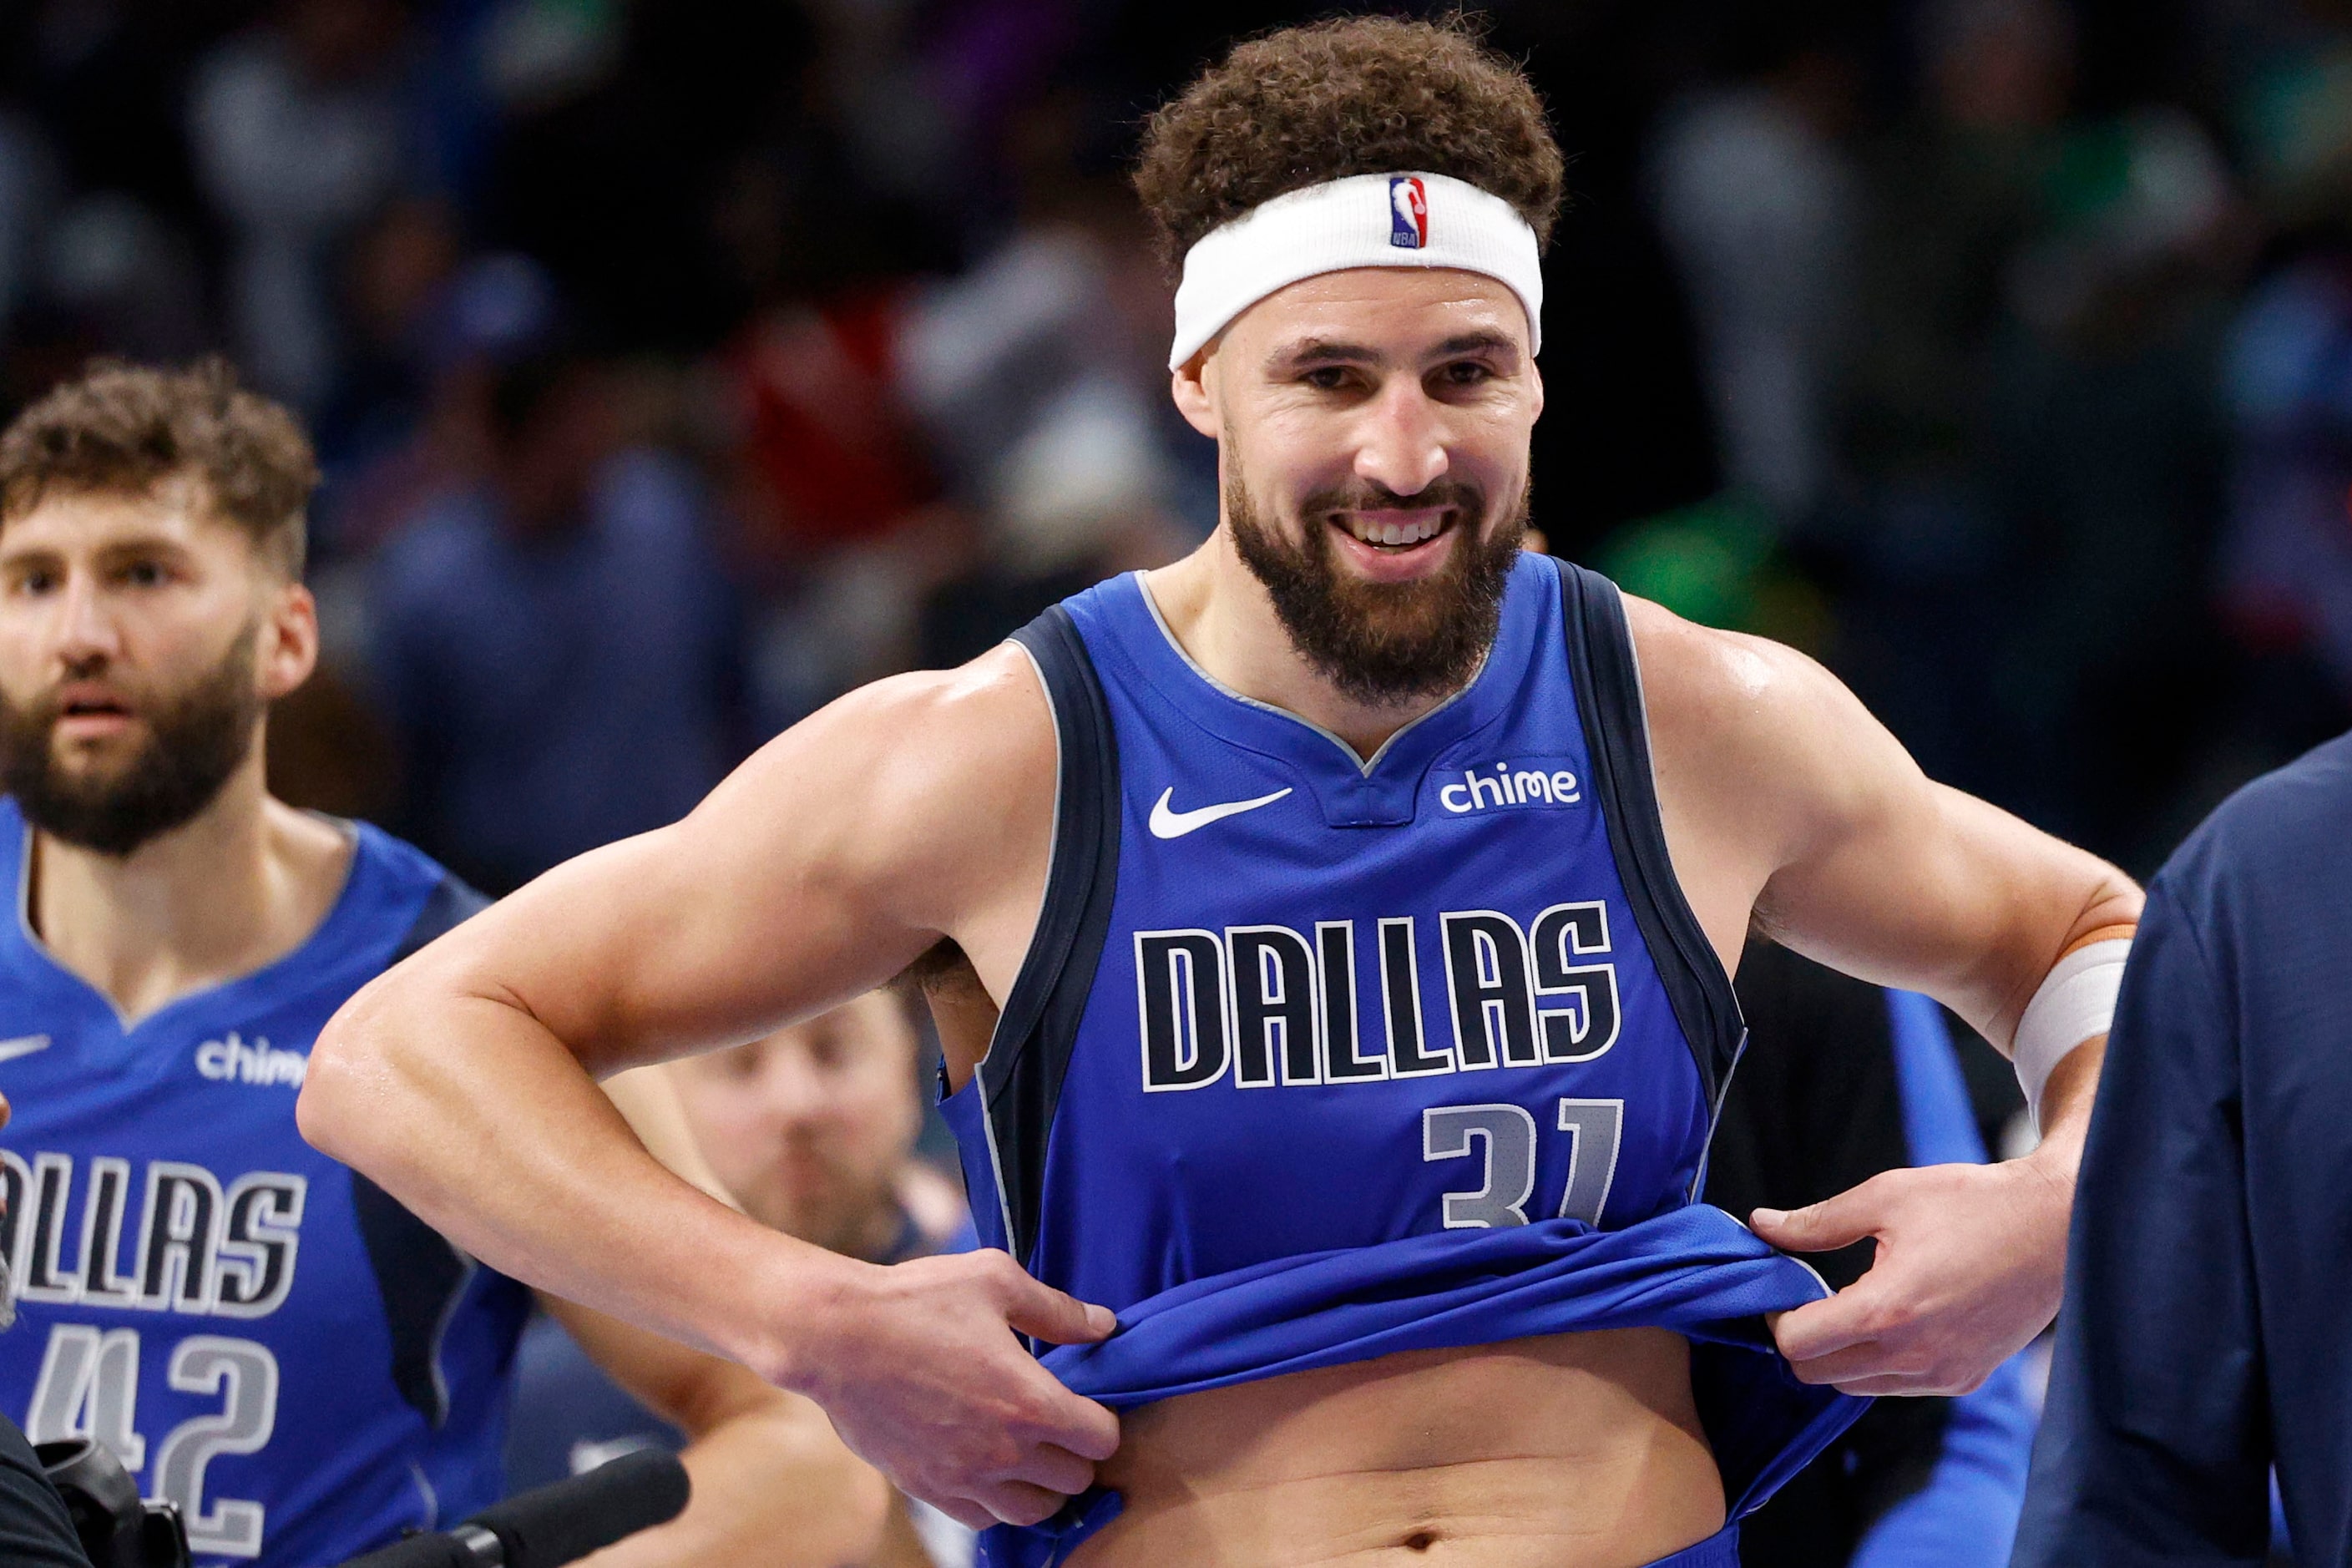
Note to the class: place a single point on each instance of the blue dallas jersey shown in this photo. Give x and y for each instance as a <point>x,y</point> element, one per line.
<point>263,1337</point>
<point>1314,1059</point>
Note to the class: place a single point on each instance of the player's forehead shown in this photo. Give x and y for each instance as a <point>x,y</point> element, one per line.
<point>74,522</point>
<point>1397,315</point>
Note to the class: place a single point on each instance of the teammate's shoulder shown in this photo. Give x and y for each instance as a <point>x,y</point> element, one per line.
<point>416,890</point>
<point>2286,835</point>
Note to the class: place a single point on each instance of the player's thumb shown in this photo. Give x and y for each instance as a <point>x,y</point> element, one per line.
<point>1818,1228</point>
<point>1045,1313</point>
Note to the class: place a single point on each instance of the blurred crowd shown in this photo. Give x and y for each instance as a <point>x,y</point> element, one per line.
<point>676,367</point>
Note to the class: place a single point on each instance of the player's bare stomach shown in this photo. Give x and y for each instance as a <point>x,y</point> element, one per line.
<point>1567,1451</point>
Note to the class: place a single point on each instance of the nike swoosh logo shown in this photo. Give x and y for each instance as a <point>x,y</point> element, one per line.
<point>1167,824</point>
<point>23,1046</point>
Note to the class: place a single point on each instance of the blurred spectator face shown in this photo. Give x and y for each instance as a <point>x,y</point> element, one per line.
<point>339,40</point>
<point>811,1127</point>
<point>553,424</point>
<point>139,647</point>
<point>2001,64</point>
<point>400,265</point>
<point>1373,431</point>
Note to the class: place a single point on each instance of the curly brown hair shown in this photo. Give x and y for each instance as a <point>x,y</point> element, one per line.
<point>122,430</point>
<point>1358,95</point>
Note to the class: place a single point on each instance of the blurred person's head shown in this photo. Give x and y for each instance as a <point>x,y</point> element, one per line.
<point>151,597</point>
<point>400,264</point>
<point>811,1128</point>
<point>339,40</point>
<point>552,424</point>
<point>1372,422</point>
<point>1998,65</point>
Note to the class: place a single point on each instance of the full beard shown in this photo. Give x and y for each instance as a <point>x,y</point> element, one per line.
<point>194,745</point>
<point>1383,644</point>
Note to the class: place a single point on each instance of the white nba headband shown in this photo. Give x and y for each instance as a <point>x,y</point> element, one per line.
<point>1364,220</point>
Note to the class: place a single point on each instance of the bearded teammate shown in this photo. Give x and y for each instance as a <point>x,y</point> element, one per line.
<point>261,1337</point>
<point>1330,936</point>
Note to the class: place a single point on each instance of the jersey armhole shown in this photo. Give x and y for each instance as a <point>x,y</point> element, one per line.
<point>1617,735</point>
<point>1020,1079</point>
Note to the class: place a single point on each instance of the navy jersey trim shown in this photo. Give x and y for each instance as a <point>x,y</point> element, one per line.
<point>419,1275</point>
<point>1617,733</point>
<point>451,903</point>
<point>1021,1078</point>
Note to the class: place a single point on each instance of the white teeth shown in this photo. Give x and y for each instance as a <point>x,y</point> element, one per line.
<point>1392,533</point>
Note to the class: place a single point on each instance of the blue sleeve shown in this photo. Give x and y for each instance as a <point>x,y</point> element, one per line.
<point>1966,1514</point>
<point>2155,1443</point>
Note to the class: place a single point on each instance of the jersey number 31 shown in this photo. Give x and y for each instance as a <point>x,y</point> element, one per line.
<point>1508,1133</point>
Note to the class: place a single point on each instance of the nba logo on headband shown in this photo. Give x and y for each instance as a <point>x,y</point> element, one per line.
<point>1408,212</point>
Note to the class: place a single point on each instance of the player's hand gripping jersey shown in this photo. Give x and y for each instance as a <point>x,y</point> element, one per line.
<point>1315,1059</point>
<point>262,1337</point>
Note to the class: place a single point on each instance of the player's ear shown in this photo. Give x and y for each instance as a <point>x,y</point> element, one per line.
<point>1535,378</point>
<point>1188,384</point>
<point>288,650</point>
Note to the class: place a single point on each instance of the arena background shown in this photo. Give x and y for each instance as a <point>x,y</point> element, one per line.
<point>1994,351</point>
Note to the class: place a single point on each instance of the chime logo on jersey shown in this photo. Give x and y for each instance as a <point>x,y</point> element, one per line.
<point>1490,786</point>
<point>231,1060</point>
<point>199,1246</point>
<point>1408,212</point>
<point>1270,1005</point>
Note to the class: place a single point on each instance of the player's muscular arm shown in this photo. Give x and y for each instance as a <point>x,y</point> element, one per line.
<point>1787,804</point>
<point>461,1079</point>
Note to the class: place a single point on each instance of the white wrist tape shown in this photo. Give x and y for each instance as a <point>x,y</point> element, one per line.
<point>2077,1002</point>
<point>1364,220</point>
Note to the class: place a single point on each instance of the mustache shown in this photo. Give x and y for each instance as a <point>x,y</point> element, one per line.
<point>1370,495</point>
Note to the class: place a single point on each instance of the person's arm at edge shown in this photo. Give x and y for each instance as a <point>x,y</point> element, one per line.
<point>459,1080</point>
<point>2152,1447</point>
<point>649,1100</point>
<point>772,1482</point>
<point>1875,869</point>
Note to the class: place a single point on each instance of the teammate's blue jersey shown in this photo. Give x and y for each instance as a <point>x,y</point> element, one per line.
<point>1313,1057</point>
<point>262,1336</point>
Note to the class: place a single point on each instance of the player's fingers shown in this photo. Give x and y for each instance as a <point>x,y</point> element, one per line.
<point>969,1514</point>
<point>1824,1328</point>
<point>1039,1310</point>
<point>1823,1226</point>
<point>1884,1386</point>
<point>1068,1421</point>
<point>1018,1502</point>
<point>1868,1361</point>
<point>1055,1468</point>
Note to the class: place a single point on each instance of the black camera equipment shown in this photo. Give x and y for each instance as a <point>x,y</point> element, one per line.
<point>551,1525</point>
<point>117,1529</point>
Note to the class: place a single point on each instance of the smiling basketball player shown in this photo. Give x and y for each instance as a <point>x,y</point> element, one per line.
<point>1330,933</point>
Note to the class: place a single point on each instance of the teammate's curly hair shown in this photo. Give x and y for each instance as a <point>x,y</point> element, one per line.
<point>1361,95</point>
<point>123,428</point>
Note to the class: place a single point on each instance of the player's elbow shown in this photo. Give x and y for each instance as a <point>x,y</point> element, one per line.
<point>347,1107</point>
